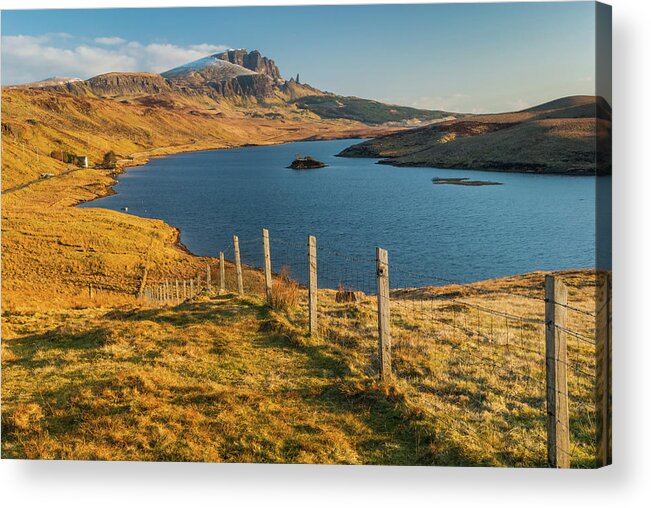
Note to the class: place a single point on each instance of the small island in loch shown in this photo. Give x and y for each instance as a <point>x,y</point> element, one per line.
<point>306,163</point>
<point>463,181</point>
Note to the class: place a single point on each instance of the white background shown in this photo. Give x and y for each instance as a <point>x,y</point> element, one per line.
<point>626,483</point>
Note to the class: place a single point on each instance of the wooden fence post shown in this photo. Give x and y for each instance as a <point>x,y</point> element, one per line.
<point>222,274</point>
<point>384,330</point>
<point>238,265</point>
<point>185,290</point>
<point>178,296</point>
<point>191,288</point>
<point>208,279</point>
<point>267,265</point>
<point>312,284</point>
<point>143,281</point>
<point>558,419</point>
<point>603,383</point>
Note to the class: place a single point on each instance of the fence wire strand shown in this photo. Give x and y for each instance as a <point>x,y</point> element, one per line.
<point>467,351</point>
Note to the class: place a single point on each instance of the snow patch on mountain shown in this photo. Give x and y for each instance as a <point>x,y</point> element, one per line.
<point>54,80</point>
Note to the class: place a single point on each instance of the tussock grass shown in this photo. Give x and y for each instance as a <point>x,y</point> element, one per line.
<point>285,294</point>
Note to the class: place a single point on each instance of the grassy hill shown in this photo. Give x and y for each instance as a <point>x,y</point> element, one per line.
<point>224,378</point>
<point>367,111</point>
<point>570,135</point>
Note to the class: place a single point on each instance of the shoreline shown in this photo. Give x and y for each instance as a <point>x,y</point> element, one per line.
<point>143,158</point>
<point>390,161</point>
<point>581,173</point>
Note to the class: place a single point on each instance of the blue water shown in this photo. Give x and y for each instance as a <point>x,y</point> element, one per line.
<point>432,232</point>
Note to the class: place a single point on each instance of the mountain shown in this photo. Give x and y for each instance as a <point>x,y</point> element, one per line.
<point>569,135</point>
<point>234,73</point>
<point>236,78</point>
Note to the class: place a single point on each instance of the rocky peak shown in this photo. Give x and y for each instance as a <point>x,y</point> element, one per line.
<point>254,61</point>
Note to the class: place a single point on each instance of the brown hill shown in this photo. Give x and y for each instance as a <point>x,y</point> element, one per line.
<point>570,135</point>
<point>115,84</point>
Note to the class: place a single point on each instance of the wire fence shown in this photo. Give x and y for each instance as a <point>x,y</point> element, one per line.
<point>511,369</point>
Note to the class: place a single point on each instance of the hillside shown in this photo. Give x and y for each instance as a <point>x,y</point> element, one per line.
<point>51,250</point>
<point>570,135</point>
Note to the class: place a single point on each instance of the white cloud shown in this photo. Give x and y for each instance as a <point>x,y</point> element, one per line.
<point>110,41</point>
<point>28,58</point>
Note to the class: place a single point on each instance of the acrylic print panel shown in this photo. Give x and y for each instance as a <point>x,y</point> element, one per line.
<point>387,243</point>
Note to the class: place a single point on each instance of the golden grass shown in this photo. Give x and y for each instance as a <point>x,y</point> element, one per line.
<point>197,382</point>
<point>227,379</point>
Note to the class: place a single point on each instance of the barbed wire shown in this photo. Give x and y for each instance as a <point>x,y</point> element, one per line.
<point>575,309</point>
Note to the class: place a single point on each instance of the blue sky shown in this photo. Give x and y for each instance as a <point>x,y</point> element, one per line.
<point>460,57</point>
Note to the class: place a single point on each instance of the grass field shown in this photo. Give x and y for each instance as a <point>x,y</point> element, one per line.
<point>224,378</point>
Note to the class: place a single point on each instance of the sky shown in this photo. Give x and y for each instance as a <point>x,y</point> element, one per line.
<point>473,58</point>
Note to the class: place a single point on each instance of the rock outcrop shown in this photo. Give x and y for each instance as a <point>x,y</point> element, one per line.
<point>252,85</point>
<point>233,73</point>
<point>306,163</point>
<point>254,61</point>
